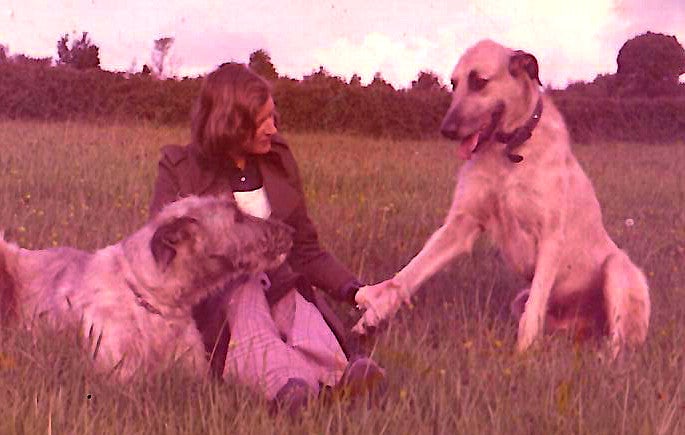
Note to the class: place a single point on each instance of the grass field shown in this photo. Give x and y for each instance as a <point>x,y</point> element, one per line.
<point>451,364</point>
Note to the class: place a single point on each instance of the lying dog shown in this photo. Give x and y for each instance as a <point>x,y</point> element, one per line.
<point>133,299</point>
<point>523,187</point>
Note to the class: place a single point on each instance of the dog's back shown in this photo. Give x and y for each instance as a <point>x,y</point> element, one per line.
<point>33,283</point>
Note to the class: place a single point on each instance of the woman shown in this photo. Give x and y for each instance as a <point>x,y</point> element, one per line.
<point>279,342</point>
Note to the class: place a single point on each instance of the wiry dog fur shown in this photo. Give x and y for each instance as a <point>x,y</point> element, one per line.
<point>534,201</point>
<point>133,299</point>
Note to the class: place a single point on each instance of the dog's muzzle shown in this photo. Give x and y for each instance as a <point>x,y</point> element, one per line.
<point>450,125</point>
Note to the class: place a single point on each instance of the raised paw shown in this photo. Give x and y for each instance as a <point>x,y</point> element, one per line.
<point>379,302</point>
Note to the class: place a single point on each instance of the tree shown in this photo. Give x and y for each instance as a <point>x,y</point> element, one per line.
<point>323,79</point>
<point>160,55</point>
<point>426,81</point>
<point>379,83</point>
<point>355,80</point>
<point>320,75</point>
<point>3,54</point>
<point>82,54</point>
<point>22,59</point>
<point>260,62</point>
<point>650,64</point>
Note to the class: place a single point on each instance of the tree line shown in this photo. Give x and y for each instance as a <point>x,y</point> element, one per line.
<point>642,102</point>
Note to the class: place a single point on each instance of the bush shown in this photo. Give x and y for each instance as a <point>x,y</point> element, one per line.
<point>645,120</point>
<point>317,103</point>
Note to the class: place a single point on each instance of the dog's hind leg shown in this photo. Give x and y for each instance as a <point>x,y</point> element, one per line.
<point>627,303</point>
<point>8,291</point>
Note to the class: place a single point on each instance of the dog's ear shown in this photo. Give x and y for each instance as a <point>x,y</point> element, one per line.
<point>167,238</point>
<point>526,62</point>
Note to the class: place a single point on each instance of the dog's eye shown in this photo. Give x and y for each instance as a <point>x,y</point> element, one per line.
<point>476,83</point>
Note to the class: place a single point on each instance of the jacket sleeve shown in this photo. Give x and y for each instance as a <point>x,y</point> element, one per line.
<point>167,187</point>
<point>307,257</point>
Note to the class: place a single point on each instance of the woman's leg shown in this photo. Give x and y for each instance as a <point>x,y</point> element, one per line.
<point>257,354</point>
<point>305,330</point>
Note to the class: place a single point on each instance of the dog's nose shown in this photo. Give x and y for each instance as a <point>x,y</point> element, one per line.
<point>450,125</point>
<point>450,133</point>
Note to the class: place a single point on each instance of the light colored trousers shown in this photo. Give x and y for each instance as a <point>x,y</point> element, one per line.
<point>270,345</point>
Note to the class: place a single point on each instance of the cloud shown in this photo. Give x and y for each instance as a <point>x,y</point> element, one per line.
<point>566,37</point>
<point>196,56</point>
<point>569,41</point>
<point>399,61</point>
<point>192,53</point>
<point>662,16</point>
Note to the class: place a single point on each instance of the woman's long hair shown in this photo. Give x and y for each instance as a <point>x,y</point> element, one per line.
<point>225,112</point>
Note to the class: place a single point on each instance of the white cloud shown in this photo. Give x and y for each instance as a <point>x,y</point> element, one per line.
<point>399,61</point>
<point>568,40</point>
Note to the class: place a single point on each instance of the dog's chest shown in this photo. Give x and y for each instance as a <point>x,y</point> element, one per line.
<point>515,225</point>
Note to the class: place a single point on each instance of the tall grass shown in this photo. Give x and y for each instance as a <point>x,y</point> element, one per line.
<point>451,364</point>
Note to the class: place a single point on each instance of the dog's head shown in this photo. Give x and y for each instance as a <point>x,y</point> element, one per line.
<point>202,242</point>
<point>493,87</point>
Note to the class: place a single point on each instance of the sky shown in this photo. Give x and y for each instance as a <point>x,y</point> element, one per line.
<point>572,40</point>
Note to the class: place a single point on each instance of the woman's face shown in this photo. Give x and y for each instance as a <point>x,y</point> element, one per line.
<point>266,127</point>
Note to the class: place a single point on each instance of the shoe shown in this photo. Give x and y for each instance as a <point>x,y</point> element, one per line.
<point>362,376</point>
<point>292,398</point>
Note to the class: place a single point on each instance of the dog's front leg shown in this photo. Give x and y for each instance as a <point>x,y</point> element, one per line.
<point>455,237</point>
<point>382,300</point>
<point>532,321</point>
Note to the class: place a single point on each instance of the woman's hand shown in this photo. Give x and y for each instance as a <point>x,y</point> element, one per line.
<point>380,301</point>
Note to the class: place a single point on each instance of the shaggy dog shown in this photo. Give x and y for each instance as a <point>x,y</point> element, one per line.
<point>133,299</point>
<point>522,186</point>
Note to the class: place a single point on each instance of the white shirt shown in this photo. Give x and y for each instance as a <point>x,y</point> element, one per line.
<point>254,203</point>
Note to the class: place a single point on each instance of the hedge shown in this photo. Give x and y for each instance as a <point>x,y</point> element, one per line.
<point>325,104</point>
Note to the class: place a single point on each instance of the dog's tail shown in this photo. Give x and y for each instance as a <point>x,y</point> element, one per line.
<point>8,287</point>
<point>626,294</point>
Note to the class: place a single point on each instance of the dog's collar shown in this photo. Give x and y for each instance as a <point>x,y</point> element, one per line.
<point>141,301</point>
<point>521,134</point>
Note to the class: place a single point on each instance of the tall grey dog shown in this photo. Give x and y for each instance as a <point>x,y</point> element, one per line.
<point>522,186</point>
<point>134,298</point>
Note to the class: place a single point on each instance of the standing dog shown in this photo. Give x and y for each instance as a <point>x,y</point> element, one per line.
<point>133,299</point>
<point>523,187</point>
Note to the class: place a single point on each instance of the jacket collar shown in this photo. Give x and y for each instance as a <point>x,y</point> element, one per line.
<point>205,174</point>
<point>283,196</point>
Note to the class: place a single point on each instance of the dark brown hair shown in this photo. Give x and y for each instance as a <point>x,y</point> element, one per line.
<point>226,110</point>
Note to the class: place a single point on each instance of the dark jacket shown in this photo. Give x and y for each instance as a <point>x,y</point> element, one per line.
<point>183,172</point>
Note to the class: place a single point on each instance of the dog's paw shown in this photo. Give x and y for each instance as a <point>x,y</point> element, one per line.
<point>529,329</point>
<point>379,302</point>
<point>361,327</point>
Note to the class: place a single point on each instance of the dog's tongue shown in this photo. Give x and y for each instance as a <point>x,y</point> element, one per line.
<point>467,146</point>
